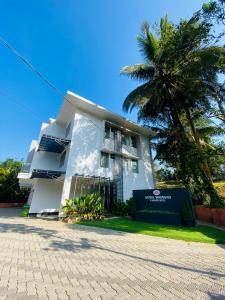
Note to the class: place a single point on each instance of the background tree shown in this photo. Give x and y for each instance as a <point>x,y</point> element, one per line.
<point>10,190</point>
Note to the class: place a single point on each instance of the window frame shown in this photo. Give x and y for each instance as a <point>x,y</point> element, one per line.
<point>133,139</point>
<point>106,155</point>
<point>136,170</point>
<point>107,131</point>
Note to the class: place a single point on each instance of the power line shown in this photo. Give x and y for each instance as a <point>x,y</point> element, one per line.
<point>29,65</point>
<point>36,72</point>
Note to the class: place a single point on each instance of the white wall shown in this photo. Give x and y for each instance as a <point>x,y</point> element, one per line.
<point>144,178</point>
<point>84,153</point>
<point>53,129</point>
<point>84,156</point>
<point>45,160</point>
<point>46,196</point>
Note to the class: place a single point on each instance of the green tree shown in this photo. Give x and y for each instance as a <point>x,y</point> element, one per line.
<point>179,71</point>
<point>10,190</point>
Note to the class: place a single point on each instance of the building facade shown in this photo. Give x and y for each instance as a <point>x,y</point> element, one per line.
<point>86,149</point>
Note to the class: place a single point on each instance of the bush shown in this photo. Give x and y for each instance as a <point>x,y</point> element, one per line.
<point>131,206</point>
<point>124,208</point>
<point>87,207</point>
<point>119,208</point>
<point>25,211</point>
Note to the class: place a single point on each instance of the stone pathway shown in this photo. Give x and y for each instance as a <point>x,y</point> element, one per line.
<point>42,259</point>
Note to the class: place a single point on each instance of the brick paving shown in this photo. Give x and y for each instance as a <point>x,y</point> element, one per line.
<point>41,259</point>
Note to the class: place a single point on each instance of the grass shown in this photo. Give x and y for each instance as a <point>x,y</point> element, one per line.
<point>200,233</point>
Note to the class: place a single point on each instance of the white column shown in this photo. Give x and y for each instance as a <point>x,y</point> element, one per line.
<point>65,191</point>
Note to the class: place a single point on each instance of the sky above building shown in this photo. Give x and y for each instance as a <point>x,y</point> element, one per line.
<point>79,45</point>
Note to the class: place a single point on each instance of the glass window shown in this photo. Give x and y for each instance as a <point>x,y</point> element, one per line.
<point>126,140</point>
<point>133,141</point>
<point>125,164</point>
<point>107,131</point>
<point>104,161</point>
<point>112,156</point>
<point>134,164</point>
<point>62,159</point>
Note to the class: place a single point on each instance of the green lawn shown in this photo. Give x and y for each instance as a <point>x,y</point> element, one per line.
<point>200,233</point>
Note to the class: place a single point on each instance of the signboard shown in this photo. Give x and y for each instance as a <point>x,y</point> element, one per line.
<point>164,206</point>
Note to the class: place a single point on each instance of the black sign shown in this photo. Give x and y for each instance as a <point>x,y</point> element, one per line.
<point>164,206</point>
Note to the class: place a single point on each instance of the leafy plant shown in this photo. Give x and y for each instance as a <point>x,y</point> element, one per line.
<point>131,206</point>
<point>119,208</point>
<point>25,211</point>
<point>69,209</point>
<point>88,207</point>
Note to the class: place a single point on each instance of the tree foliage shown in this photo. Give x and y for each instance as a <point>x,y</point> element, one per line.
<point>10,190</point>
<point>179,87</point>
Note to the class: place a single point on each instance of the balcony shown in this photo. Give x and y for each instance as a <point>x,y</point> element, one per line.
<point>51,143</point>
<point>109,145</point>
<point>129,151</point>
<point>46,174</point>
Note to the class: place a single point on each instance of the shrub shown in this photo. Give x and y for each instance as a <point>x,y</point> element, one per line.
<point>119,208</point>
<point>69,209</point>
<point>25,211</point>
<point>131,206</point>
<point>88,206</point>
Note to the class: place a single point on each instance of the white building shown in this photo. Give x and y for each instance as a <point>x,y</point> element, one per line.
<point>87,148</point>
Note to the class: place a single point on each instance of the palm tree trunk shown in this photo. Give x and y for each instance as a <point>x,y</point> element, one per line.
<point>207,177</point>
<point>197,140</point>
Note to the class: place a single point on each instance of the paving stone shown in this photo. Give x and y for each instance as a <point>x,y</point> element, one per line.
<point>49,260</point>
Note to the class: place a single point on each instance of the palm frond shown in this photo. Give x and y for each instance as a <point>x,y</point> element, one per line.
<point>137,97</point>
<point>139,71</point>
<point>148,42</point>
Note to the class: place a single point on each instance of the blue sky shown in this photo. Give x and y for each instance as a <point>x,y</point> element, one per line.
<point>79,45</point>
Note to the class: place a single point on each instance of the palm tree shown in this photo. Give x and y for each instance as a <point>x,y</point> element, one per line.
<point>178,74</point>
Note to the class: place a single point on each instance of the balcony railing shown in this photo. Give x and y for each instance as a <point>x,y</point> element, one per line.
<point>25,168</point>
<point>129,150</point>
<point>111,145</point>
<point>52,143</point>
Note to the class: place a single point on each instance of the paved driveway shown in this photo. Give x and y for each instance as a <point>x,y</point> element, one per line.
<point>42,259</point>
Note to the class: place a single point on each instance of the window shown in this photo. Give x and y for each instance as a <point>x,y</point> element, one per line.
<point>126,140</point>
<point>112,156</point>
<point>133,141</point>
<point>125,164</point>
<point>62,159</point>
<point>107,132</point>
<point>67,129</point>
<point>134,164</point>
<point>104,161</point>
